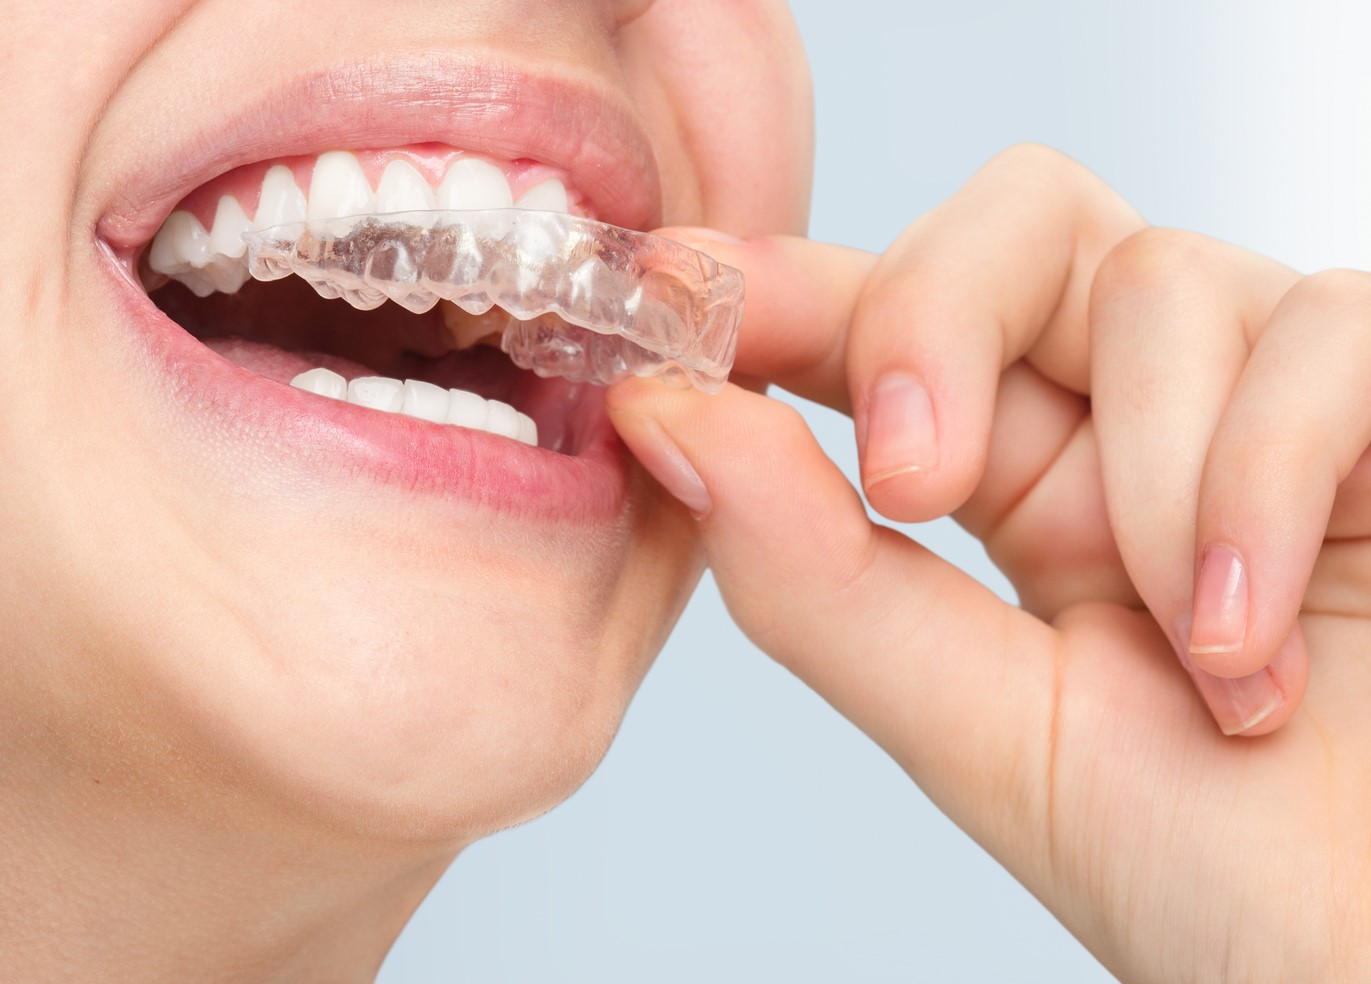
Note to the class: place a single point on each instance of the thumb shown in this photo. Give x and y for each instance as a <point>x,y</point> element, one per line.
<point>954,683</point>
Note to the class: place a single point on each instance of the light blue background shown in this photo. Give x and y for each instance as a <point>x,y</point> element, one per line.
<point>739,831</point>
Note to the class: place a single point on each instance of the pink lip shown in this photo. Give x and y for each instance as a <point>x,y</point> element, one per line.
<point>486,107</point>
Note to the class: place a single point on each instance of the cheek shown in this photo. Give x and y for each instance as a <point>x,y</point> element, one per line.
<point>726,89</point>
<point>437,703</point>
<point>324,649</point>
<point>52,99</point>
<point>447,699</point>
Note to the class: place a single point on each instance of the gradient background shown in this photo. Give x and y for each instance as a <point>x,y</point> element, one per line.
<point>739,830</point>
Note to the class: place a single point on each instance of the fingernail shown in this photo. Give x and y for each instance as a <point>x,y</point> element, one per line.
<point>1220,609</point>
<point>901,435</point>
<point>652,446</point>
<point>1237,704</point>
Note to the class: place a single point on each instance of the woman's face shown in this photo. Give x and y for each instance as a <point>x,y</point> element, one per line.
<point>387,624</point>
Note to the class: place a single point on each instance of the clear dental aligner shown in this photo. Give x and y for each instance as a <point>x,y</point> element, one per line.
<point>588,301</point>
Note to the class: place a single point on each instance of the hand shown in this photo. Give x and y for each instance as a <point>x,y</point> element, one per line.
<point>1220,415</point>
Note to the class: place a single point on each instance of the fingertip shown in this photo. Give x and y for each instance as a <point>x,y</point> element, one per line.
<point>1237,626</point>
<point>906,496</point>
<point>1289,675</point>
<point>1277,719</point>
<point>663,458</point>
<point>907,474</point>
<point>901,427</point>
<point>1218,640</point>
<point>662,401</point>
<point>706,449</point>
<point>1259,702</point>
<point>1240,705</point>
<point>898,444</point>
<point>1228,663</point>
<point>633,394</point>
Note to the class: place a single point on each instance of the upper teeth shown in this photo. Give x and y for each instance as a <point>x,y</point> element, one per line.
<point>426,401</point>
<point>339,187</point>
<point>214,260</point>
<point>281,201</point>
<point>403,189</point>
<point>550,196</point>
<point>473,183</point>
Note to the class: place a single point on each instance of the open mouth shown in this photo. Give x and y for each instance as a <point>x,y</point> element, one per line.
<point>429,398</point>
<point>442,365</point>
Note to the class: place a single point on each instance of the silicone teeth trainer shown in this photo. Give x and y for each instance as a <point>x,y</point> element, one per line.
<point>588,301</point>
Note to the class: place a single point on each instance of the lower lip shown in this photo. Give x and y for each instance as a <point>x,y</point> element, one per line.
<point>386,449</point>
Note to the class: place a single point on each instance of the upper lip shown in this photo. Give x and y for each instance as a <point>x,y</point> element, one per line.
<point>477,104</point>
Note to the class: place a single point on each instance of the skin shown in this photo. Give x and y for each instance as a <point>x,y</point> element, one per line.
<point>232,690</point>
<point>1225,406</point>
<point>182,739</point>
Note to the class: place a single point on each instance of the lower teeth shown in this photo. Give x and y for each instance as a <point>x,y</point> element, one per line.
<point>416,398</point>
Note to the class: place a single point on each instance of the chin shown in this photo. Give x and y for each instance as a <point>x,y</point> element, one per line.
<point>469,688</point>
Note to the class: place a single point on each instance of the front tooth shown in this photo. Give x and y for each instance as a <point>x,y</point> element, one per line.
<point>339,187</point>
<point>466,409</point>
<point>403,189</point>
<point>230,222</point>
<point>181,242</point>
<point>281,201</point>
<point>549,196</point>
<point>502,419</point>
<point>472,183</point>
<point>377,392</point>
<point>528,430</point>
<point>324,382</point>
<point>425,401</point>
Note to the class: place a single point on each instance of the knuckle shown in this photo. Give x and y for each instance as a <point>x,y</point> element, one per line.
<point>1338,288</point>
<point>1067,191</point>
<point>1051,175</point>
<point>1153,256</point>
<point>1151,262</point>
<point>1030,156</point>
